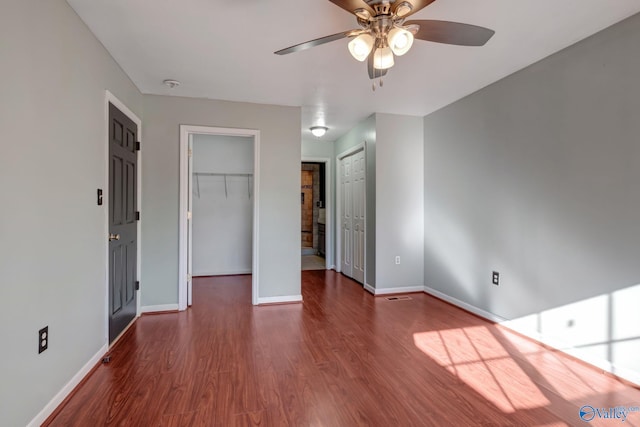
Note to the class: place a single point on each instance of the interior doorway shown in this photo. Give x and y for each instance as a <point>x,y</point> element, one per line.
<point>219,194</point>
<point>315,210</point>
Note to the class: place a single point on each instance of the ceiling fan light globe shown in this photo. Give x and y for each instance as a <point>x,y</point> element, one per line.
<point>400,40</point>
<point>362,14</point>
<point>403,9</point>
<point>383,58</point>
<point>361,46</point>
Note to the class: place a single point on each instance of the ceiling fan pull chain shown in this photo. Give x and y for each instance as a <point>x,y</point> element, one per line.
<point>373,86</point>
<point>381,82</point>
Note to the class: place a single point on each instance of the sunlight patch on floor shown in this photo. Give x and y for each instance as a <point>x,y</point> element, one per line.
<point>478,359</point>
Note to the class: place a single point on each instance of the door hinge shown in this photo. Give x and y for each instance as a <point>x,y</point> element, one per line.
<point>190,152</point>
<point>137,285</point>
<point>137,145</point>
<point>189,277</point>
<point>189,214</point>
<point>137,215</point>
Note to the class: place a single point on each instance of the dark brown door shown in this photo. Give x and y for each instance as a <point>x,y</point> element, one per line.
<point>123,169</point>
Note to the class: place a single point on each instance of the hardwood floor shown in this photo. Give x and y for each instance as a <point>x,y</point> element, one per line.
<point>342,358</point>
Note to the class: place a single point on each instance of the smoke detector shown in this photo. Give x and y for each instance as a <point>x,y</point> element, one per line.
<point>171,83</point>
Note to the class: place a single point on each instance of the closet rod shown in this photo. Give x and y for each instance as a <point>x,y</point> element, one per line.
<point>222,174</point>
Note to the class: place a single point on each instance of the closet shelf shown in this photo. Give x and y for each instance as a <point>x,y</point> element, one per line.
<point>225,175</point>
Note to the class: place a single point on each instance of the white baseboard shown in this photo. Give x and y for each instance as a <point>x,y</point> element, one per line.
<point>223,273</point>
<point>605,365</point>
<point>279,300</point>
<point>403,290</point>
<point>68,388</point>
<point>158,308</point>
<point>473,309</point>
<point>369,288</point>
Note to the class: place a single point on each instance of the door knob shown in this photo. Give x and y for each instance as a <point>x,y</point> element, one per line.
<point>114,237</point>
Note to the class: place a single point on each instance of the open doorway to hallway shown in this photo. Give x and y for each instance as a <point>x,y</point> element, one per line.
<point>313,216</point>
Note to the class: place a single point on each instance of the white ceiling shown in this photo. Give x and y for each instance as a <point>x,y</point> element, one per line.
<point>224,50</point>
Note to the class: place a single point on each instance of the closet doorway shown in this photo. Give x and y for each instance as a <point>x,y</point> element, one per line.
<point>218,205</point>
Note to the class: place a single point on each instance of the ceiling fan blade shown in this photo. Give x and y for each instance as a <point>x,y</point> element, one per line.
<point>317,42</point>
<point>451,32</point>
<point>374,73</point>
<point>351,5</point>
<point>417,5</point>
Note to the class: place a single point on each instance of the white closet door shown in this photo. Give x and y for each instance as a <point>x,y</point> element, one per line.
<point>358,198</point>
<point>352,215</point>
<point>346,216</point>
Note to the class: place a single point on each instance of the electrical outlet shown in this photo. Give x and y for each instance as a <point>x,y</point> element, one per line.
<point>43,339</point>
<point>397,260</point>
<point>496,278</point>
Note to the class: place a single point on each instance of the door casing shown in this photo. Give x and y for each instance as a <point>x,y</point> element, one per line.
<point>183,265</point>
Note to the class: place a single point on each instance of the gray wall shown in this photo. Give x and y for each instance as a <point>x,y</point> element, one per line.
<point>279,227</point>
<point>319,148</point>
<point>537,177</point>
<point>221,153</point>
<point>365,131</point>
<point>53,252</point>
<point>399,201</point>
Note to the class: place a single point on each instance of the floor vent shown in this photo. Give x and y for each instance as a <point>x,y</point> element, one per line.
<point>397,298</point>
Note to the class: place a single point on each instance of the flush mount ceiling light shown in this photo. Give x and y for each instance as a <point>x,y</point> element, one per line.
<point>171,83</point>
<point>384,32</point>
<point>318,131</point>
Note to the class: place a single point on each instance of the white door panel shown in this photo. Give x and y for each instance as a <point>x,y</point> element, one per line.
<point>346,216</point>
<point>358,195</point>
<point>352,215</point>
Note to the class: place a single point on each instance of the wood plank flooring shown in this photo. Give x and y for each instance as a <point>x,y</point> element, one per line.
<point>342,358</point>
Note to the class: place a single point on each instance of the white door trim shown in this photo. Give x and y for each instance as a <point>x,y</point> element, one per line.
<point>185,131</point>
<point>111,98</point>
<point>362,146</point>
<point>329,260</point>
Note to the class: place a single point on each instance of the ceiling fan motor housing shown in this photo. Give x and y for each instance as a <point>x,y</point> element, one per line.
<point>382,9</point>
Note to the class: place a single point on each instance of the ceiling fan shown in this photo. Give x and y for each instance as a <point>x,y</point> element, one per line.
<point>385,33</point>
